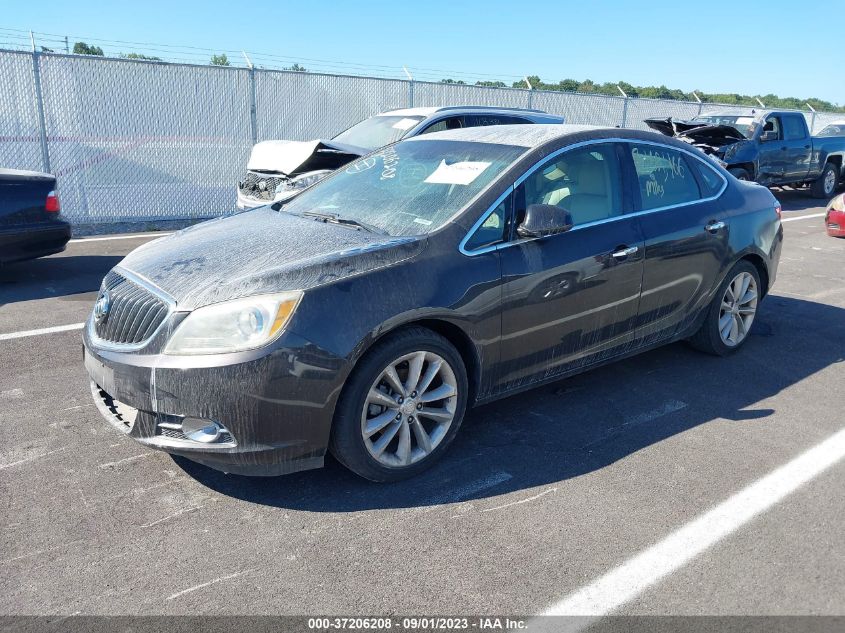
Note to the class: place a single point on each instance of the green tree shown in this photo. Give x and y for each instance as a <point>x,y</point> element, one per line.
<point>296,68</point>
<point>81,48</point>
<point>491,84</point>
<point>140,56</point>
<point>452,81</point>
<point>220,60</point>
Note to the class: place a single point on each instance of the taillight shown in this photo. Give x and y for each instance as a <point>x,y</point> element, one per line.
<point>778,211</point>
<point>52,205</point>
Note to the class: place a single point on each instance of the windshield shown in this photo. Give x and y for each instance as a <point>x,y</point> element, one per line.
<point>378,131</point>
<point>744,124</point>
<point>410,188</point>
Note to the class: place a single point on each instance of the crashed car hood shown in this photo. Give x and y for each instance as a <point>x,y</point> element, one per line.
<point>699,132</point>
<point>297,157</point>
<point>259,252</point>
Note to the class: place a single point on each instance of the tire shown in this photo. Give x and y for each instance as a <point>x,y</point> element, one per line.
<point>710,337</point>
<point>740,174</point>
<point>825,185</point>
<point>370,402</point>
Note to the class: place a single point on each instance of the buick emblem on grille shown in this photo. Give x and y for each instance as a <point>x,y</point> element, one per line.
<point>101,307</point>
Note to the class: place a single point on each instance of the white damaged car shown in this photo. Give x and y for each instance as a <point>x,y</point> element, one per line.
<point>278,170</point>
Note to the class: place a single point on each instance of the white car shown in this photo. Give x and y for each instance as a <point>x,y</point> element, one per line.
<point>278,170</point>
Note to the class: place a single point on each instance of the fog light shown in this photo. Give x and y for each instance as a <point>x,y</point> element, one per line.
<point>200,430</point>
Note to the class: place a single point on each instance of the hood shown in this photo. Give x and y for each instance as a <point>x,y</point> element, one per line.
<point>297,157</point>
<point>709,138</point>
<point>258,252</point>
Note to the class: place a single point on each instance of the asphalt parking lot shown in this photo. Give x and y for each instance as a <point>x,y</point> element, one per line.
<point>541,495</point>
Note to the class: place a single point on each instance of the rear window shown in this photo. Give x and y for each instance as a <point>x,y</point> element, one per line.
<point>711,181</point>
<point>793,128</point>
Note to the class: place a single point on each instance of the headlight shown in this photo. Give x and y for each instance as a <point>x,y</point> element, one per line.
<point>233,326</point>
<point>306,180</point>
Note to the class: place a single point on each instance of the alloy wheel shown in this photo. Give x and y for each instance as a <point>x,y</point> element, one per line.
<point>739,305</point>
<point>409,409</point>
<point>829,182</point>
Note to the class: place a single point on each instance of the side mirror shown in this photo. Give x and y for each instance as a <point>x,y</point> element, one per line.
<point>769,135</point>
<point>544,219</point>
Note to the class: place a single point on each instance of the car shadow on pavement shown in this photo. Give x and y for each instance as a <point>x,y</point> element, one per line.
<point>581,424</point>
<point>54,277</point>
<point>799,199</point>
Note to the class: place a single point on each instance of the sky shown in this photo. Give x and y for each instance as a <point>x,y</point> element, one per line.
<point>714,46</point>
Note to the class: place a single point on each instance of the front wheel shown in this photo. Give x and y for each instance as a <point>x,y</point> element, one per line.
<point>401,407</point>
<point>825,185</point>
<point>731,313</point>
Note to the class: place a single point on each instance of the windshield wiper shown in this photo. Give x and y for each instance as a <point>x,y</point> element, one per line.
<point>333,218</point>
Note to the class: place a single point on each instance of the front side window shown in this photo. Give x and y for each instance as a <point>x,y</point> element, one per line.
<point>664,176</point>
<point>772,124</point>
<point>410,188</point>
<point>449,123</point>
<point>492,230</point>
<point>586,182</point>
<point>377,131</point>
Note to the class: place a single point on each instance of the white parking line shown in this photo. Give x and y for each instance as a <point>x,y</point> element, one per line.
<point>803,217</point>
<point>120,237</point>
<point>629,580</point>
<point>46,330</point>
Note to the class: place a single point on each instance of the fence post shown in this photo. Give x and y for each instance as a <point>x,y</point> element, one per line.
<point>624,113</point>
<point>410,93</point>
<point>253,113</point>
<point>39,106</point>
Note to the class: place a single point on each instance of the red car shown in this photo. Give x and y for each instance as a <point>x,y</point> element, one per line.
<point>834,218</point>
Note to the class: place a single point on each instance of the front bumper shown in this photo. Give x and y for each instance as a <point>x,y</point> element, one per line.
<point>276,404</point>
<point>834,222</point>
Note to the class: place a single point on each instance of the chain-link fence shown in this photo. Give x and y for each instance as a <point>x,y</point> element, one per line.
<point>138,140</point>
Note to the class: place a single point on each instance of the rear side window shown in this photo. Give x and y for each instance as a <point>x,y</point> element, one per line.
<point>711,182</point>
<point>793,128</point>
<point>664,175</point>
<point>477,120</point>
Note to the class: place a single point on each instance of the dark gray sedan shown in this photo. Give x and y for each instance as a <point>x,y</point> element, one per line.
<point>442,272</point>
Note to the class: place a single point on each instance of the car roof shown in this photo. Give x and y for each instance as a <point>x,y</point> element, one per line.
<point>466,109</point>
<point>518,135</point>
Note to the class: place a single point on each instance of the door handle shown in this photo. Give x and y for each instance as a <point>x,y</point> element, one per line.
<point>625,252</point>
<point>713,227</point>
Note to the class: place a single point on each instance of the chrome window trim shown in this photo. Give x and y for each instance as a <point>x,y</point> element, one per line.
<point>541,162</point>
<point>151,288</point>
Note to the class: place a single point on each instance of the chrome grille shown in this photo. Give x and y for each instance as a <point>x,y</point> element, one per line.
<point>261,186</point>
<point>134,312</point>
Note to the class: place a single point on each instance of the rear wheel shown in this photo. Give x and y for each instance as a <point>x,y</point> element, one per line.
<point>740,173</point>
<point>401,407</point>
<point>825,185</point>
<point>731,313</point>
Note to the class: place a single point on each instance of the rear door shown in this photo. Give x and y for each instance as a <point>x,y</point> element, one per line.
<point>570,296</point>
<point>685,229</point>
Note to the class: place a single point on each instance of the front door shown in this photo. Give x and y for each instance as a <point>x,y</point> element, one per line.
<point>570,296</point>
